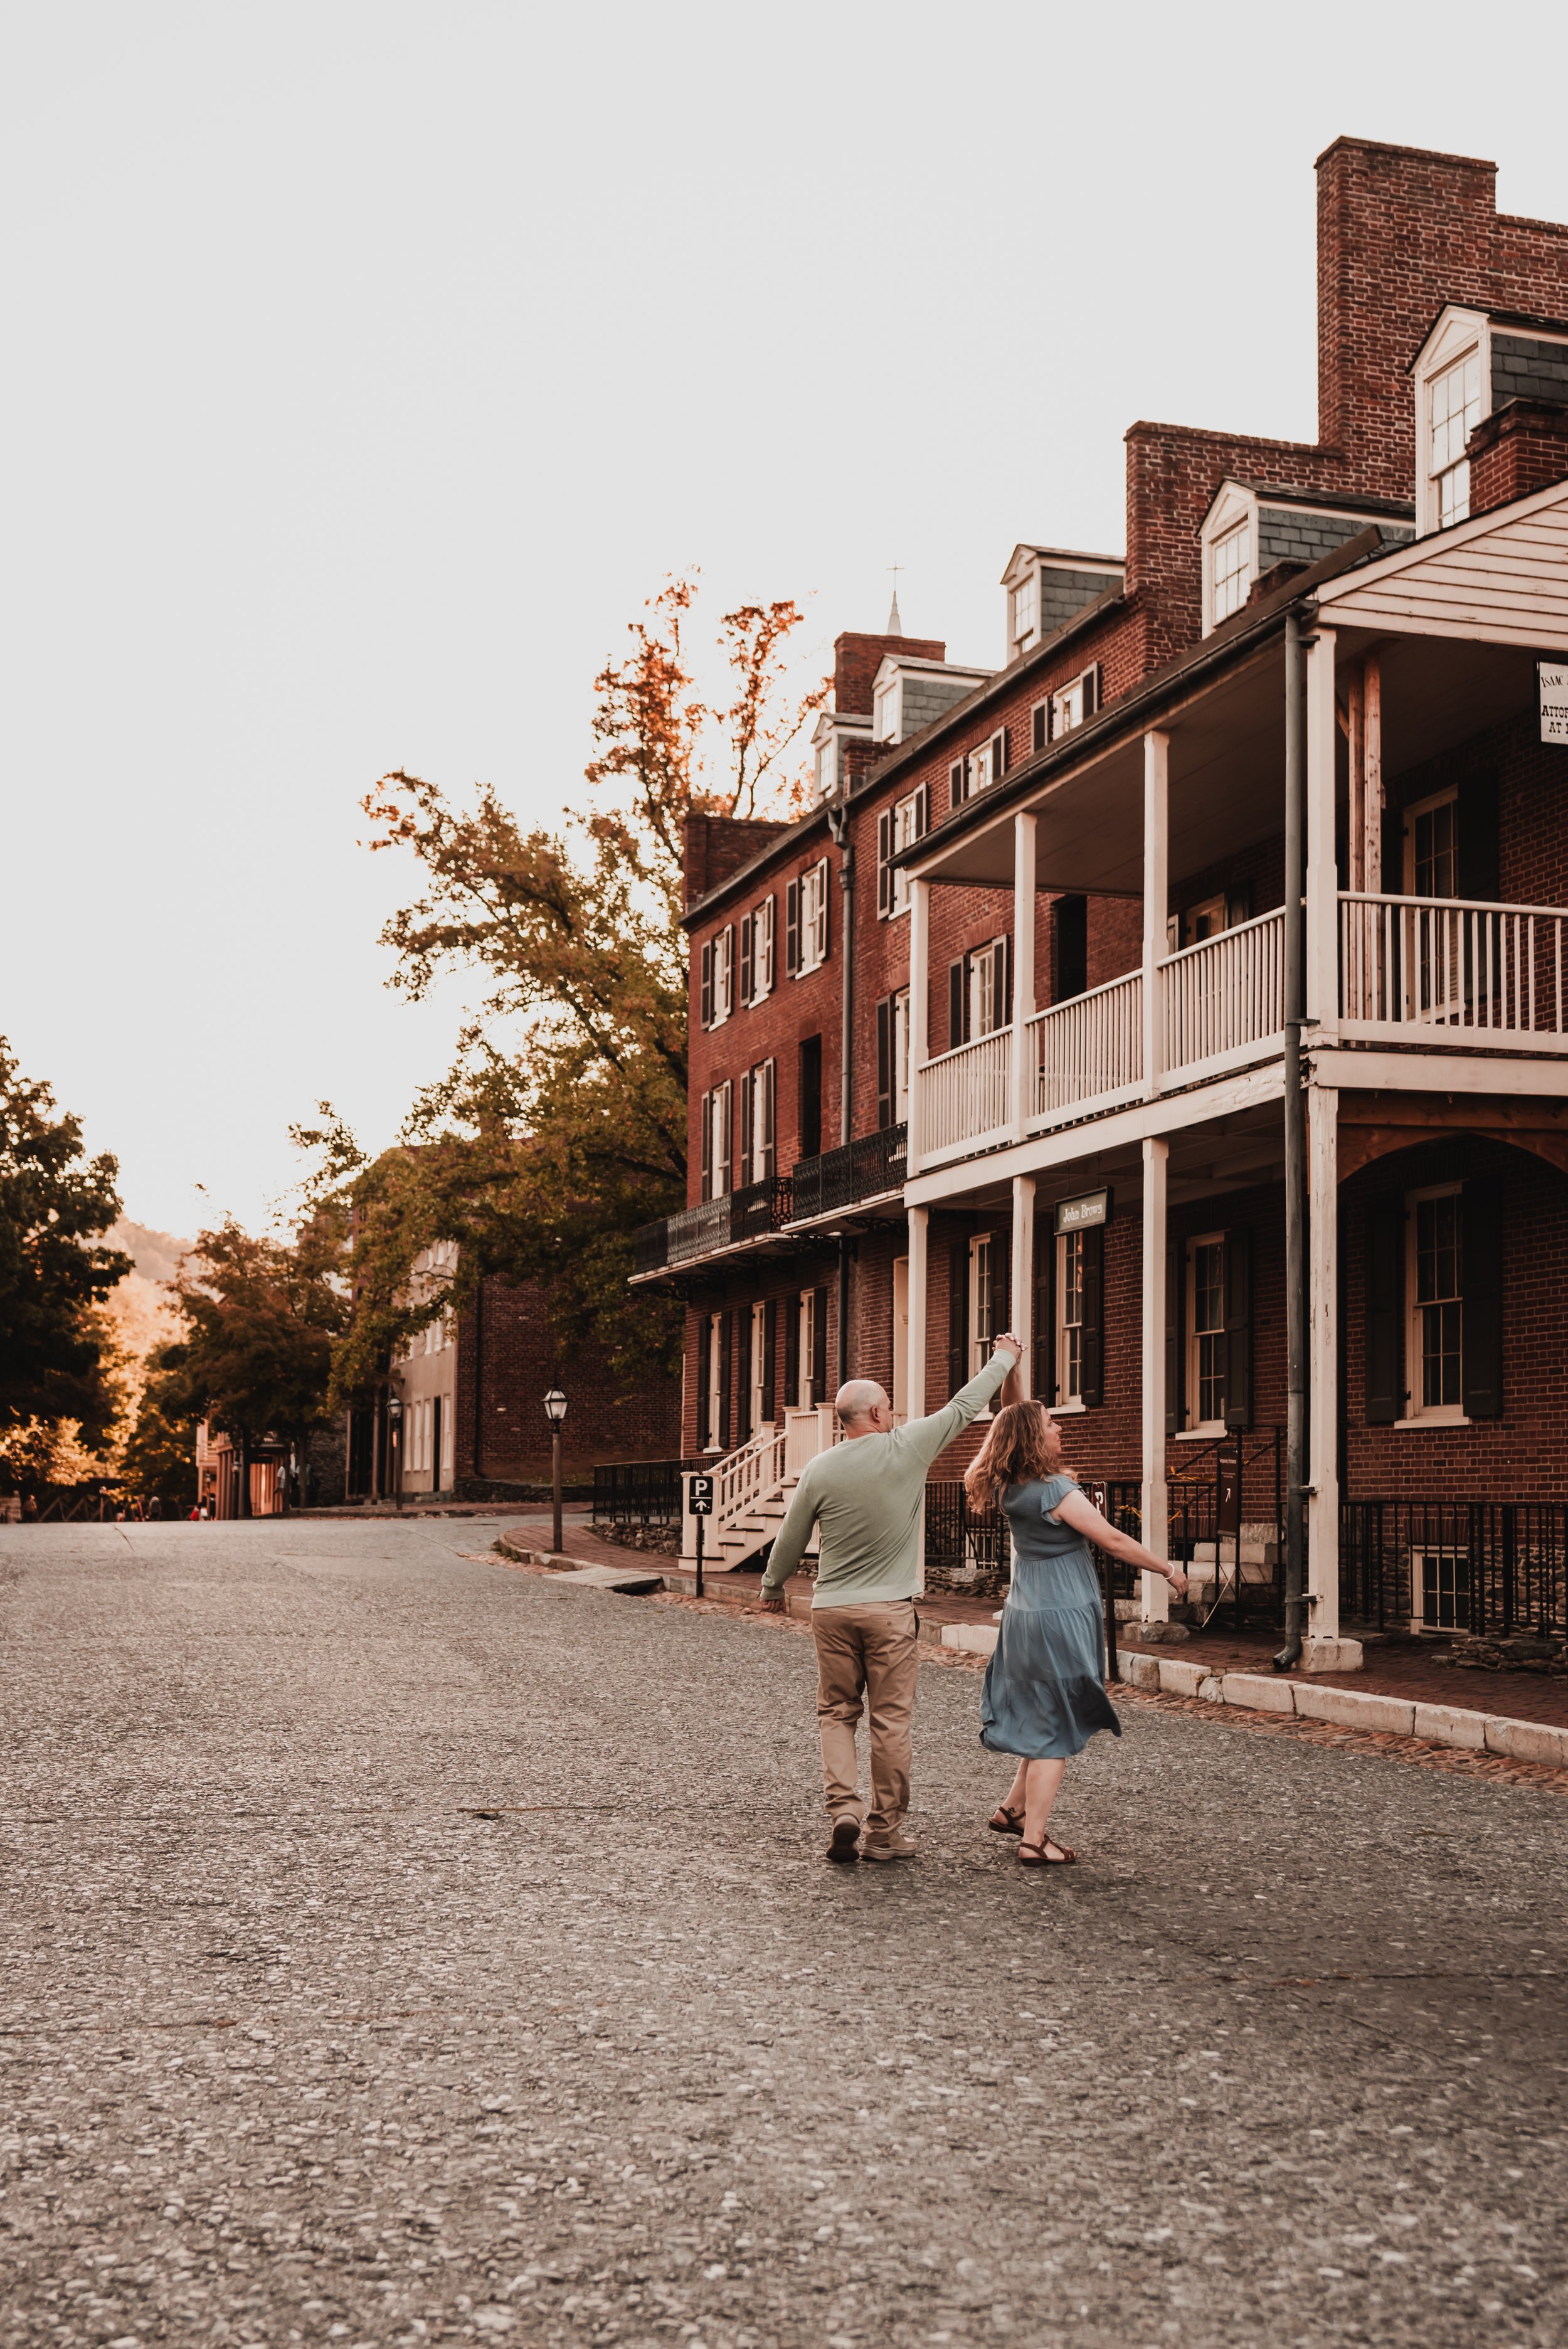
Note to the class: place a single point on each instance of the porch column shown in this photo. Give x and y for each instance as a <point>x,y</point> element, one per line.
<point>1324,1651</point>
<point>914,1368</point>
<point>1024,1270</point>
<point>919,1000</point>
<point>1156,895</point>
<point>1322,873</point>
<point>1023,979</point>
<point>1155,1599</point>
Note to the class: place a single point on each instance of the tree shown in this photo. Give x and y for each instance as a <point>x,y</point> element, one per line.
<point>57,1353</point>
<point>563,1125</point>
<point>160,1453</point>
<point>261,1317</point>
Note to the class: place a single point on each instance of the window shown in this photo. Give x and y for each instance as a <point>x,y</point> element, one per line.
<point>1069,707</point>
<point>1435,1275</point>
<point>716,1352</point>
<point>1454,411</point>
<point>762,1397</point>
<point>809,902</point>
<point>982,768</point>
<point>1435,978</point>
<point>1026,615</point>
<point>980,992</point>
<point>1232,567</point>
<point>718,977</point>
<point>1204,920</point>
<point>757,1122</point>
<point>1431,841</point>
<point>1207,1357</point>
<point>885,712</point>
<point>982,1292</point>
<point>808,1350</point>
<point>901,1056</point>
<point>756,953</point>
<point>715,1161</point>
<point>1071,1316</point>
<point>827,767</point>
<point>897,828</point>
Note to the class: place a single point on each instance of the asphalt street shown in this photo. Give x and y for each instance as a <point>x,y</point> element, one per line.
<point>399,1947</point>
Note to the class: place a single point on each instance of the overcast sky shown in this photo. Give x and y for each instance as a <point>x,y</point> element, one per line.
<point>368,366</point>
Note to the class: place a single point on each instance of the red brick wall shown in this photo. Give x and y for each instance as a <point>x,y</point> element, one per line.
<point>1533,793</point>
<point>1521,447</point>
<point>857,658</point>
<point>510,1339</point>
<point>717,845</point>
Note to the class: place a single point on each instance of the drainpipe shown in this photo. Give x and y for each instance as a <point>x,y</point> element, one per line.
<point>1295,1263</point>
<point>839,826</point>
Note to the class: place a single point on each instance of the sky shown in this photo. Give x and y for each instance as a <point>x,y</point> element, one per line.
<point>368,366</point>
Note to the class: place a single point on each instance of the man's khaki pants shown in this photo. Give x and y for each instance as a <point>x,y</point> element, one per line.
<point>867,1651</point>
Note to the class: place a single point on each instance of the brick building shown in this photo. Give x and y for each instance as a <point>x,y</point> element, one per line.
<point>1000,1031</point>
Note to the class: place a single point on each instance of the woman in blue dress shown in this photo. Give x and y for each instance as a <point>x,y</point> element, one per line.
<point>1045,1693</point>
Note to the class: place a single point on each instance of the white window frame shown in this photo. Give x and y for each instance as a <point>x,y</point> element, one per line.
<point>762,920</point>
<point>1418,1412</point>
<point>1428,806</point>
<point>1233,509</point>
<point>982,1337</point>
<point>759,1362</point>
<point>1231,580</point>
<point>828,758</point>
<point>1070,1398</point>
<point>905,814</point>
<point>902,1033</point>
<point>806,1349</point>
<point>720,1114</point>
<point>1192,1334</point>
<point>1459,335</point>
<point>1448,482</point>
<point>813,918</point>
<point>715,1380</point>
<point>723,999</point>
<point>887,710</point>
<point>1023,609</point>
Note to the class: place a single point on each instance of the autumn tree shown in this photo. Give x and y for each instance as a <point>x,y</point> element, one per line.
<point>261,1317</point>
<point>563,1125</point>
<point>57,1353</point>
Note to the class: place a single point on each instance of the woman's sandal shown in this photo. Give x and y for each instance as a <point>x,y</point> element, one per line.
<point>1039,1855</point>
<point>1003,1821</point>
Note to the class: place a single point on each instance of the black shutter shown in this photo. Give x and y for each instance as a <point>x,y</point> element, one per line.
<point>746,950</point>
<point>1481,1275</point>
<point>1091,690</point>
<point>922,812</point>
<point>1238,1403</point>
<point>998,754</point>
<point>955,783</point>
<point>1175,1339</point>
<point>1476,839</point>
<point>793,1349</point>
<point>726,1353</point>
<point>810,1117</point>
<point>703,1341</point>
<point>1043,1333</point>
<point>1001,1284</point>
<point>820,1346</point>
<point>957,1316</point>
<point>1092,1358</point>
<point>708,1146</point>
<point>884,1064</point>
<point>767,1078</point>
<point>1385,1299</point>
<point>707,983</point>
<point>743,1376</point>
<point>1038,736</point>
<point>957,1003</point>
<point>825,900</point>
<point>791,929</point>
<point>1239,906</point>
<point>770,1356</point>
<point>1072,947</point>
<point>1003,983</point>
<point>884,866</point>
<point>748,1114</point>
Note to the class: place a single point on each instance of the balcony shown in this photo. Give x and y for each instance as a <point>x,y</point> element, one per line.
<point>1428,970</point>
<point>712,1226</point>
<point>873,1167</point>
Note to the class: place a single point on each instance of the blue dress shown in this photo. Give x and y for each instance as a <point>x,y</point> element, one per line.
<point>1044,1686</point>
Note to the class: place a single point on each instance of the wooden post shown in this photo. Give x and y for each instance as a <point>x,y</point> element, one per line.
<point>1356,738</point>
<point>1023,975</point>
<point>1155,1595</point>
<point>1322,872</point>
<point>1156,893</point>
<point>1372,774</point>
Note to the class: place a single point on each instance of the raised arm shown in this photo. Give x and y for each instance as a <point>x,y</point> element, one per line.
<point>1075,1509</point>
<point>926,1437</point>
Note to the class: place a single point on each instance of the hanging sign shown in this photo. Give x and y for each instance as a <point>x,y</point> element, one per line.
<point>1076,1214</point>
<point>1553,677</point>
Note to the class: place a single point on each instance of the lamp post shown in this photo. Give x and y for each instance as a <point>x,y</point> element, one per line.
<point>395,1448</point>
<point>555,1412</point>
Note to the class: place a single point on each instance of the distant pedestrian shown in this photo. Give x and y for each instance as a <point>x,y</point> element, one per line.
<point>1045,1694</point>
<point>29,1508</point>
<point>155,1511</point>
<point>864,1497</point>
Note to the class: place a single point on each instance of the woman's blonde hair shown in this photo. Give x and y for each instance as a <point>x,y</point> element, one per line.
<point>1024,1443</point>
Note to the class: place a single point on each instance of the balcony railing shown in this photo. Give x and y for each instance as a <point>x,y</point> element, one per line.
<point>1222,997</point>
<point>1449,967</point>
<point>1087,1052</point>
<point>750,1212</point>
<point>964,1096</point>
<point>867,1168</point>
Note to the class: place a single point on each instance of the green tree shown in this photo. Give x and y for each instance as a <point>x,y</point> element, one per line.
<point>160,1453</point>
<point>563,1125</point>
<point>261,1317</point>
<point>57,1355</point>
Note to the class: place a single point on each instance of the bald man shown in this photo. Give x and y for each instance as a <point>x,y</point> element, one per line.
<point>863,1497</point>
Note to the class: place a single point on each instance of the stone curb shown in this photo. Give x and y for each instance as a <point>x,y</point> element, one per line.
<point>1435,1725</point>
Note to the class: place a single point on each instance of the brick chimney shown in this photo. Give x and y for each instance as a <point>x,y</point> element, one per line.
<point>856,660</point>
<point>714,846</point>
<point>1519,447</point>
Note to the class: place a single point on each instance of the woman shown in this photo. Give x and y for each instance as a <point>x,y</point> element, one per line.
<point>1045,1693</point>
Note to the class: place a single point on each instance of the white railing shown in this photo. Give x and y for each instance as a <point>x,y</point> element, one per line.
<point>1089,1050</point>
<point>1224,996</point>
<point>746,1477</point>
<point>1412,964</point>
<point>807,1432</point>
<point>963,1095</point>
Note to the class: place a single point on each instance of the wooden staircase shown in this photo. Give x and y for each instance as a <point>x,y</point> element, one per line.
<point>752,1488</point>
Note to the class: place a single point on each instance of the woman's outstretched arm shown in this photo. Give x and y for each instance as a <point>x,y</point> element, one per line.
<point>1075,1509</point>
<point>1012,1384</point>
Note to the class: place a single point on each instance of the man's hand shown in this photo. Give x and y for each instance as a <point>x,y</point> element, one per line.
<point>772,1602</point>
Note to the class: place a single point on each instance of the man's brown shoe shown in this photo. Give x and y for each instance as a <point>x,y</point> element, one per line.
<point>844,1843</point>
<point>891,1843</point>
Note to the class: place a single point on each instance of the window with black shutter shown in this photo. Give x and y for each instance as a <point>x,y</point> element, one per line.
<point>1091,1342</point>
<point>1039,726</point>
<point>747,1114</point>
<point>1072,948</point>
<point>744,1429</point>
<point>957,1316</point>
<point>818,1345</point>
<point>1238,1409</point>
<point>707,983</point>
<point>792,930</point>
<point>1482,1274</point>
<point>998,754</point>
<point>957,1003</point>
<point>792,1305</point>
<point>884,864</point>
<point>958,781</point>
<point>1384,1305</point>
<point>708,1146</point>
<point>725,1363</point>
<point>1091,690</point>
<point>769,1354</point>
<point>1043,1333</point>
<point>884,1065</point>
<point>703,1341</point>
<point>746,960</point>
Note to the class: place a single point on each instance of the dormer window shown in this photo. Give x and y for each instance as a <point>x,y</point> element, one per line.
<point>884,727</point>
<point>1232,560</point>
<point>827,767</point>
<point>1453,411</point>
<point>1026,615</point>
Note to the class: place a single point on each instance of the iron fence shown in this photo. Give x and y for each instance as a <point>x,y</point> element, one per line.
<point>712,1225</point>
<point>640,1492</point>
<point>870,1167</point>
<point>1493,1567</point>
<point>967,1548</point>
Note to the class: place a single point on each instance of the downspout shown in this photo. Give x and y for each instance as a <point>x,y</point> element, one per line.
<point>1295,1263</point>
<point>839,826</point>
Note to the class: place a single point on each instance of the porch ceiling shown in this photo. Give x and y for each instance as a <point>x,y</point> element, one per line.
<point>1438,691</point>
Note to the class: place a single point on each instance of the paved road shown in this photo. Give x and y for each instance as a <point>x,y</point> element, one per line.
<point>399,1948</point>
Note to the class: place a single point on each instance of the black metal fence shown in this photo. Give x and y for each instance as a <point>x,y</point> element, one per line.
<point>640,1492</point>
<point>1494,1568</point>
<point>867,1168</point>
<point>967,1549</point>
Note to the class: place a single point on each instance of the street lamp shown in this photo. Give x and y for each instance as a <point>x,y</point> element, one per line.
<point>395,1444</point>
<point>555,1412</point>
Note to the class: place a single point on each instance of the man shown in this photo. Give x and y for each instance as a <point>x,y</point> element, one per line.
<point>864,1498</point>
